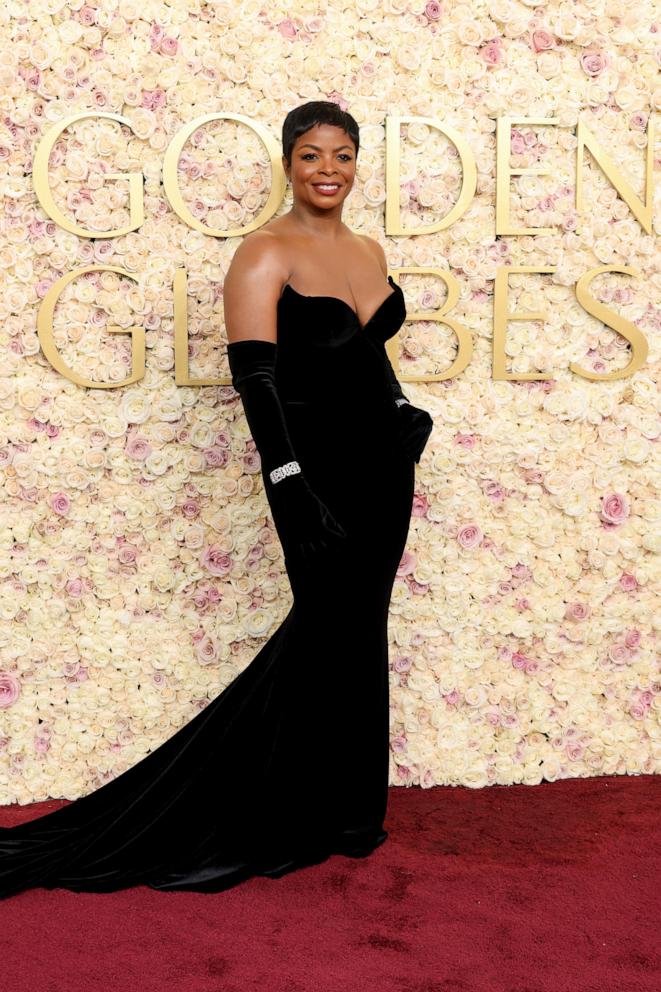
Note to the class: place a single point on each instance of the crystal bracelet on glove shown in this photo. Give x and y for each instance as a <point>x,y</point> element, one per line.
<point>282,471</point>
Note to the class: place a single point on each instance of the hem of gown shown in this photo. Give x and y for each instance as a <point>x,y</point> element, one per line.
<point>351,844</point>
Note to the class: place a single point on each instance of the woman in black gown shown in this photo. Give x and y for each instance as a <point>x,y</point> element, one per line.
<point>289,764</point>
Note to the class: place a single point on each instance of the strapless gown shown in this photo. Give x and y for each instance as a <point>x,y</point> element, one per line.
<point>289,764</point>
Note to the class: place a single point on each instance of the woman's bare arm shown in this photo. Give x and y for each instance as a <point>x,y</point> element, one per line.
<point>252,287</point>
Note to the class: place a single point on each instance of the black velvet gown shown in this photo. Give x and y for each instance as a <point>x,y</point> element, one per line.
<point>289,763</point>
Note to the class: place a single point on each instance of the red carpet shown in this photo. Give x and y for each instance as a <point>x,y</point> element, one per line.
<point>504,889</point>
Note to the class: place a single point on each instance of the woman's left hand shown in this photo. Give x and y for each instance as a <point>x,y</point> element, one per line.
<point>414,426</point>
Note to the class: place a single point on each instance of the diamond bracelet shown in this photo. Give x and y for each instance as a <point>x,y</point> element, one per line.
<point>399,401</point>
<point>282,471</point>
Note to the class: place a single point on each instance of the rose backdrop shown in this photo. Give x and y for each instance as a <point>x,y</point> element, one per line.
<point>139,568</point>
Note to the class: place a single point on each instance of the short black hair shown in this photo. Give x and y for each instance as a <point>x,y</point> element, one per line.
<point>301,119</point>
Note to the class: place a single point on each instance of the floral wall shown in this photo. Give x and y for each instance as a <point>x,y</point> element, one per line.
<point>139,567</point>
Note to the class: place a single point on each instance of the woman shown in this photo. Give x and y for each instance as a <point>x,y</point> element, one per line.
<point>289,763</point>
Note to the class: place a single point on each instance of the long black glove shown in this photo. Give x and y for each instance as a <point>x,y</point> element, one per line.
<point>414,424</point>
<point>305,525</point>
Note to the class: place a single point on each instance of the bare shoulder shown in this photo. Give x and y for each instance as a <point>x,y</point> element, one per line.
<point>253,285</point>
<point>377,251</point>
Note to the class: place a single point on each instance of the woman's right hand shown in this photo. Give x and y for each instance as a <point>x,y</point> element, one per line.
<point>305,525</point>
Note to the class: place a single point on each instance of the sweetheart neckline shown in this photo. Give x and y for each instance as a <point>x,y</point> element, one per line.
<point>338,299</point>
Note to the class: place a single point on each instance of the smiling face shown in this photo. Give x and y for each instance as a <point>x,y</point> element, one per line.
<point>324,156</point>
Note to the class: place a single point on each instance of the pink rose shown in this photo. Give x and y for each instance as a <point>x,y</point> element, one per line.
<point>494,491</point>
<point>632,638</point>
<point>615,509</point>
<point>251,462</point>
<point>286,28</point>
<point>432,10</point>
<point>337,98</point>
<point>60,503</point>
<point>542,40</point>
<point>520,571</point>
<point>469,536</point>
<point>138,448</point>
<point>619,654</point>
<point>406,564</point>
<point>577,611</point>
<point>10,689</point>
<point>205,651</point>
<point>190,509</point>
<point>398,745</point>
<point>467,441</point>
<point>593,63</point>
<point>216,457</point>
<point>628,582</point>
<point>41,744</point>
<point>638,121</point>
<point>517,142</point>
<point>420,505</point>
<point>492,52</point>
<point>74,588</point>
<point>637,711</point>
<point>216,561</point>
<point>153,99</point>
<point>169,46</point>
<point>127,554</point>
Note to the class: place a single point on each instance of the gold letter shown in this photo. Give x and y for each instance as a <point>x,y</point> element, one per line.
<point>181,372</point>
<point>500,318</point>
<point>45,333</point>
<point>636,338</point>
<point>45,197</point>
<point>465,350</point>
<point>468,185</point>
<point>171,183</point>
<point>503,173</point>
<point>642,212</point>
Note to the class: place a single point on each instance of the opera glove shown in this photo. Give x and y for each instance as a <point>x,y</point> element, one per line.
<point>414,424</point>
<point>305,525</point>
